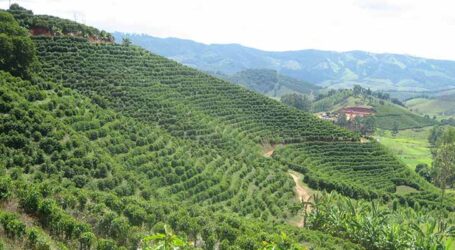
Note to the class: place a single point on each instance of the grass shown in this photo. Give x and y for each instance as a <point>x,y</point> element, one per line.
<point>403,190</point>
<point>441,107</point>
<point>410,146</point>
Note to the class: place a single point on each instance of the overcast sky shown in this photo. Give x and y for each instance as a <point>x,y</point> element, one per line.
<point>416,27</point>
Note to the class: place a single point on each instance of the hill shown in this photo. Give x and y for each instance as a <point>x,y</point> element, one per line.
<point>105,144</point>
<point>325,68</point>
<point>269,82</point>
<point>442,106</point>
<point>386,112</point>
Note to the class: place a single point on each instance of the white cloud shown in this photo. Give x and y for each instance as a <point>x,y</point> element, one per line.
<point>417,27</point>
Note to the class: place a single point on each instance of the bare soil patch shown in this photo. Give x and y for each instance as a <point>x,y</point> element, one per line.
<point>302,192</point>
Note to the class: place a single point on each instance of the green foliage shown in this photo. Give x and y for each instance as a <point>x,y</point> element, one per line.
<point>395,128</point>
<point>17,49</point>
<point>266,81</point>
<point>281,242</point>
<point>126,41</point>
<point>357,170</point>
<point>185,102</point>
<point>444,167</point>
<point>164,241</point>
<point>376,226</point>
<point>12,226</point>
<point>301,102</point>
<point>435,133</point>
<point>425,171</point>
<point>135,141</point>
<point>59,148</point>
<point>5,188</point>
<point>53,26</point>
<point>447,137</point>
<point>387,111</point>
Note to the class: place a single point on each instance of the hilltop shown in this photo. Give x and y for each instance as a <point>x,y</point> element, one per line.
<point>387,111</point>
<point>324,68</point>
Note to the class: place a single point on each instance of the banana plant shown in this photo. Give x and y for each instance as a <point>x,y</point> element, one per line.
<point>164,241</point>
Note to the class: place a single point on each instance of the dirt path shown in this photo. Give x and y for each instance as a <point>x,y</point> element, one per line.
<point>269,153</point>
<point>302,193</point>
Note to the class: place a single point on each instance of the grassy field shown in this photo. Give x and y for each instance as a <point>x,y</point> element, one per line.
<point>410,146</point>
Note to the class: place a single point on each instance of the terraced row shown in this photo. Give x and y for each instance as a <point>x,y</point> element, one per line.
<point>360,170</point>
<point>194,106</point>
<point>168,93</point>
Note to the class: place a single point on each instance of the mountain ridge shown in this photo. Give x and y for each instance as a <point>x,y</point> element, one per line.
<point>326,68</point>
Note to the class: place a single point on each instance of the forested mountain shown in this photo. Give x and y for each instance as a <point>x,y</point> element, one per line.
<point>325,68</point>
<point>269,82</point>
<point>102,144</point>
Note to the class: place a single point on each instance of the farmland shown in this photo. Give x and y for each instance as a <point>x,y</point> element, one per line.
<point>102,144</point>
<point>411,146</point>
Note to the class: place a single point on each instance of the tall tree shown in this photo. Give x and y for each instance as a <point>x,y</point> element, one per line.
<point>17,48</point>
<point>369,125</point>
<point>444,167</point>
<point>395,128</point>
<point>126,41</point>
<point>301,102</point>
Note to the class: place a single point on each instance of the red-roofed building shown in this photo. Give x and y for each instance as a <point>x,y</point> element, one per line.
<point>353,112</point>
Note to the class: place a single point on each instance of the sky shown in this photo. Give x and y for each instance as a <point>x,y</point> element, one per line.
<point>415,27</point>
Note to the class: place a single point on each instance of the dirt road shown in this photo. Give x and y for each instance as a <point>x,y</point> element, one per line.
<point>301,192</point>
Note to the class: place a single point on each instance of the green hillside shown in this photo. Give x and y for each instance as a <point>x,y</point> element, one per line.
<point>93,163</point>
<point>386,112</point>
<point>441,106</point>
<point>103,144</point>
<point>270,82</point>
<point>410,145</point>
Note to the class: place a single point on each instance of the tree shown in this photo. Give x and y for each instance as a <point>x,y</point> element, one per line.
<point>357,90</point>
<point>447,136</point>
<point>444,167</point>
<point>368,125</point>
<point>16,46</point>
<point>435,133</point>
<point>395,128</point>
<point>342,120</point>
<point>301,102</point>
<point>126,41</point>
<point>424,170</point>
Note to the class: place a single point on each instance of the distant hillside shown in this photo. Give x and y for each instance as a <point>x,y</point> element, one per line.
<point>269,82</point>
<point>338,70</point>
<point>442,106</point>
<point>386,112</point>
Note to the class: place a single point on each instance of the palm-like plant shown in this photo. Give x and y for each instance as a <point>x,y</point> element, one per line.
<point>375,226</point>
<point>281,242</point>
<point>164,241</point>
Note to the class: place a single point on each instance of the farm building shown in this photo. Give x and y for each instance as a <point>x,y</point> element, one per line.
<point>353,112</point>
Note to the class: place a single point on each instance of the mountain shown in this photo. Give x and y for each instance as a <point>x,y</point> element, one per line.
<point>325,68</point>
<point>108,146</point>
<point>268,82</point>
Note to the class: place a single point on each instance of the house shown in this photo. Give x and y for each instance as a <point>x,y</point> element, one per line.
<point>353,112</point>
